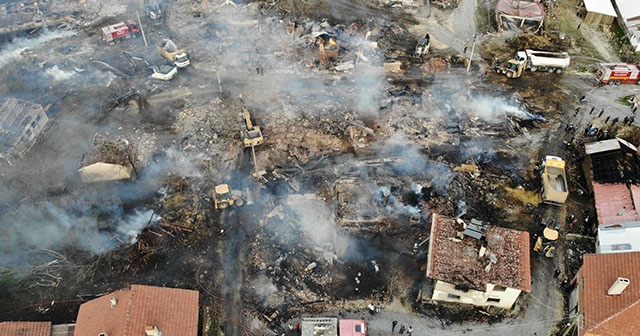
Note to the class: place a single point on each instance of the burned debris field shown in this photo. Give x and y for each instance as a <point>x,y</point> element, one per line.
<point>291,159</point>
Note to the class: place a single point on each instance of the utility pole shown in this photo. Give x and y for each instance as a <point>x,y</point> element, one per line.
<point>141,30</point>
<point>473,46</point>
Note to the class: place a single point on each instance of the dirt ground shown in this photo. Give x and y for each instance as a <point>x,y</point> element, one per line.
<point>356,158</point>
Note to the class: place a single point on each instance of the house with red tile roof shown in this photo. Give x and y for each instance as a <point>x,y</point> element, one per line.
<point>25,328</point>
<point>606,297</point>
<point>612,170</point>
<point>478,264</point>
<point>140,310</point>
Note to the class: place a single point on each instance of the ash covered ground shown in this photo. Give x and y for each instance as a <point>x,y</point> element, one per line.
<point>360,150</point>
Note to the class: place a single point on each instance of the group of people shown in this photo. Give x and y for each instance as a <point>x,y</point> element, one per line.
<point>402,330</point>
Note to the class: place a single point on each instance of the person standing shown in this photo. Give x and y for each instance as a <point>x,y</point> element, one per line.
<point>601,112</point>
<point>410,330</point>
<point>393,326</point>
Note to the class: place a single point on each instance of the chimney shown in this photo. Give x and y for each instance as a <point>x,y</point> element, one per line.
<point>618,286</point>
<point>113,301</point>
<point>152,331</point>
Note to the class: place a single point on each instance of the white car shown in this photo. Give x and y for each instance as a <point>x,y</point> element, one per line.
<point>163,72</point>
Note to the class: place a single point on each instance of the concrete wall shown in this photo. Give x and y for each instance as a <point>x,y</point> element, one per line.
<point>492,296</point>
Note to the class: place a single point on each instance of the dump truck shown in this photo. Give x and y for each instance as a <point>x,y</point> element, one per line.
<point>250,133</point>
<point>116,32</point>
<point>618,73</point>
<point>535,60</point>
<point>171,53</point>
<point>224,197</point>
<point>554,181</point>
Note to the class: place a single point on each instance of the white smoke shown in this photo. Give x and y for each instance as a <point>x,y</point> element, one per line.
<point>495,109</point>
<point>13,51</point>
<point>59,75</point>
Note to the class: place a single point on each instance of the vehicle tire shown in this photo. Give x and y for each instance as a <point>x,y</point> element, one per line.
<point>611,82</point>
<point>223,205</point>
<point>534,69</point>
<point>551,70</point>
<point>239,202</point>
<point>509,74</point>
<point>558,71</point>
<point>638,82</point>
<point>618,82</point>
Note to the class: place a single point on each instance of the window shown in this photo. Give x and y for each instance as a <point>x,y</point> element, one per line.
<point>28,132</point>
<point>38,117</point>
<point>494,300</point>
<point>33,124</point>
<point>453,296</point>
<point>497,288</point>
<point>358,328</point>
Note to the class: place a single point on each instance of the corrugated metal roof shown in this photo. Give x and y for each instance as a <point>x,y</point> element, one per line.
<point>601,146</point>
<point>600,6</point>
<point>174,311</point>
<point>628,8</point>
<point>610,314</point>
<point>25,328</point>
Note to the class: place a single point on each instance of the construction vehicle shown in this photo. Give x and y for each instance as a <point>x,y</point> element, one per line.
<point>328,49</point>
<point>545,241</point>
<point>171,53</point>
<point>422,47</point>
<point>554,181</point>
<point>153,10</point>
<point>535,60</point>
<point>250,133</point>
<point>114,33</point>
<point>224,197</point>
<point>618,73</point>
<point>163,72</point>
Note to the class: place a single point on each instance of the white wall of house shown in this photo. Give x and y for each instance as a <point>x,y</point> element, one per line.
<point>503,297</point>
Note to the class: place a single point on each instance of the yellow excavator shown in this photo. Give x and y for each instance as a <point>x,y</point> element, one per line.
<point>250,133</point>
<point>224,197</point>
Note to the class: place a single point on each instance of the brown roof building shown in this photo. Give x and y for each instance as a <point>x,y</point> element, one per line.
<point>25,328</point>
<point>140,310</point>
<point>478,264</point>
<point>606,298</point>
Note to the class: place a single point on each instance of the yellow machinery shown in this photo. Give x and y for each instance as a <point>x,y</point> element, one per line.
<point>545,243</point>
<point>511,69</point>
<point>251,134</point>
<point>224,197</point>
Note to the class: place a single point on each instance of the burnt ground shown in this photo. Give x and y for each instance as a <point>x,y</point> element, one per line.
<point>333,203</point>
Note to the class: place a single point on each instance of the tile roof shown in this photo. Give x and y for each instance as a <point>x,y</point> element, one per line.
<point>609,315</point>
<point>457,262</point>
<point>616,203</point>
<point>174,311</point>
<point>25,328</point>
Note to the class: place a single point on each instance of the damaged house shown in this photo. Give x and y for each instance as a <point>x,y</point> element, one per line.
<point>476,263</point>
<point>613,173</point>
<point>20,124</point>
<point>519,15</point>
<point>108,160</point>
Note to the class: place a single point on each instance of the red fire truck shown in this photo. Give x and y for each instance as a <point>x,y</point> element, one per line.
<point>618,73</point>
<point>113,33</point>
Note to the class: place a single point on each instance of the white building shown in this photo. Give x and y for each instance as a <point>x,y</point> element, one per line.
<point>629,19</point>
<point>477,264</point>
<point>618,238</point>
